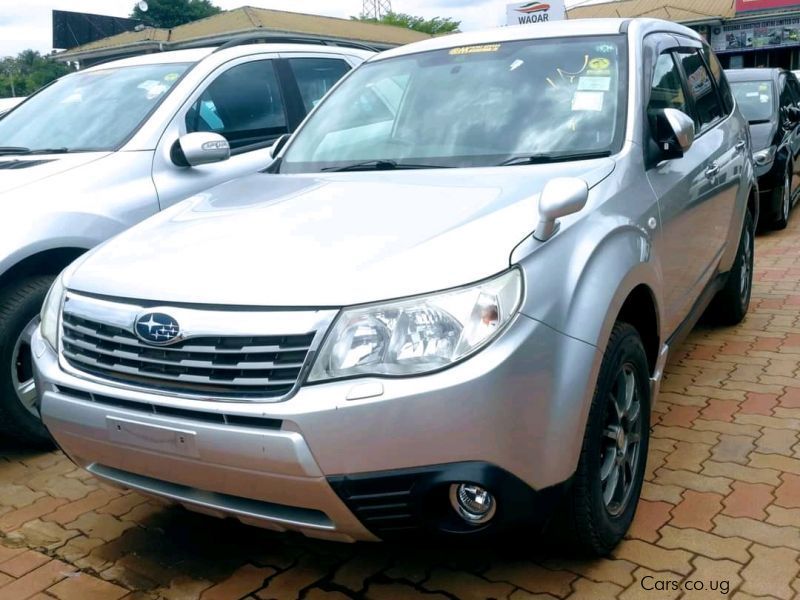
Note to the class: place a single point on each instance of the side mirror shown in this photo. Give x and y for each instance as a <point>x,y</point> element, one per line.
<point>674,133</point>
<point>560,197</point>
<point>200,148</point>
<point>278,145</point>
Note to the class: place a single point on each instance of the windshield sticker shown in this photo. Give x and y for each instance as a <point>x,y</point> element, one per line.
<point>594,84</point>
<point>763,87</point>
<point>516,64</point>
<point>170,77</point>
<point>475,49</point>
<point>599,64</point>
<point>764,98</point>
<point>591,101</point>
<point>604,48</point>
<point>153,88</point>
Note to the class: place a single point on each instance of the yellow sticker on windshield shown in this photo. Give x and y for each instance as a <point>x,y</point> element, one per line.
<point>475,49</point>
<point>170,77</point>
<point>598,64</point>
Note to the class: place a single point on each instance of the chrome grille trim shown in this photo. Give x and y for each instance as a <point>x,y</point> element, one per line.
<point>239,355</point>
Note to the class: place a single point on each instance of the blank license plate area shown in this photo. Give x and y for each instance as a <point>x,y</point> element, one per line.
<point>152,437</point>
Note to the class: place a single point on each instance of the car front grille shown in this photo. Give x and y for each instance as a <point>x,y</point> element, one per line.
<point>242,366</point>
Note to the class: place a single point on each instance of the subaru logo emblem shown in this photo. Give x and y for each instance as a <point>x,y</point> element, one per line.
<point>158,329</point>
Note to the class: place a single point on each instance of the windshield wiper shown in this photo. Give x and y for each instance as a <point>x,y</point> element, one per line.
<point>381,165</point>
<point>14,150</point>
<point>536,159</point>
<point>7,150</point>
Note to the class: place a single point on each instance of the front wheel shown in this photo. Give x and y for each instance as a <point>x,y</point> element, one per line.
<point>19,316</point>
<point>602,500</point>
<point>782,202</point>
<point>730,305</point>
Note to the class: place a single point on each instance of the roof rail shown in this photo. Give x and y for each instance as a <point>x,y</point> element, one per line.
<point>279,38</point>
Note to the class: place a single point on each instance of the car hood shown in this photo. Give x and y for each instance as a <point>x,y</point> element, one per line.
<point>328,240</point>
<point>18,171</point>
<point>761,135</point>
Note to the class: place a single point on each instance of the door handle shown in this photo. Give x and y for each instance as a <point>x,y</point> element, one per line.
<point>712,170</point>
<point>740,145</point>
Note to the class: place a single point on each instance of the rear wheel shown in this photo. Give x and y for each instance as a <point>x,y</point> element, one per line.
<point>602,500</point>
<point>19,316</point>
<point>730,304</point>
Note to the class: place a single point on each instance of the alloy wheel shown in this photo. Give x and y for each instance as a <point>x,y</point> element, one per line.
<point>22,368</point>
<point>622,434</point>
<point>787,197</point>
<point>747,265</point>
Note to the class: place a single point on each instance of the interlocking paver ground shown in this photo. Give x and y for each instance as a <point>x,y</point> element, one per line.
<point>721,506</point>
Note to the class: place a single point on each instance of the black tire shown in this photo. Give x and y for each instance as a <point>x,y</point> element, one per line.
<point>730,305</point>
<point>20,303</point>
<point>782,202</point>
<point>592,525</point>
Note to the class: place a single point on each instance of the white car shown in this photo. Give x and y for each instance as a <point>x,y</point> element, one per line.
<point>104,148</point>
<point>6,104</point>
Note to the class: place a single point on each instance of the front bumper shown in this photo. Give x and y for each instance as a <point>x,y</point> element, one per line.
<point>517,409</point>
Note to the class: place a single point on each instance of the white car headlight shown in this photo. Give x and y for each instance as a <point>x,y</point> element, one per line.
<point>51,312</point>
<point>765,157</point>
<point>418,335</point>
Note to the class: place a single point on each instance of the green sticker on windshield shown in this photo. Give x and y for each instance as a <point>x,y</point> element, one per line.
<point>170,77</point>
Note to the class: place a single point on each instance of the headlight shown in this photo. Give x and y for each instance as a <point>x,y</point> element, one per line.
<point>422,334</point>
<point>764,157</point>
<point>51,311</point>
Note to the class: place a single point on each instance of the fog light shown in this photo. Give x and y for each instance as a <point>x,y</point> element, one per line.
<point>472,502</point>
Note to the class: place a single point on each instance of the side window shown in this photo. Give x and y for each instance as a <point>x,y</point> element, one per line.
<point>786,93</point>
<point>243,104</point>
<point>795,89</point>
<point>666,90</point>
<point>719,77</point>
<point>706,103</point>
<point>315,76</point>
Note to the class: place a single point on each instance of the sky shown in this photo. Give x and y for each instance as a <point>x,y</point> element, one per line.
<point>28,23</point>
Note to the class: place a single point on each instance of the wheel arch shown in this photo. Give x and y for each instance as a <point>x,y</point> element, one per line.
<point>44,262</point>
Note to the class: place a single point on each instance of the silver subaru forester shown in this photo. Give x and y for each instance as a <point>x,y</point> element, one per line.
<point>445,309</point>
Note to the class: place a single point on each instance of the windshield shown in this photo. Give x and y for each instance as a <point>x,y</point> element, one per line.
<point>92,110</point>
<point>754,99</point>
<point>471,106</point>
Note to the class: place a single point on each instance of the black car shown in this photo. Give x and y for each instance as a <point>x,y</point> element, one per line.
<point>769,100</point>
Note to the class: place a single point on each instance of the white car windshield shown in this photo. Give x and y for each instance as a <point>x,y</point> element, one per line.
<point>91,110</point>
<point>481,105</point>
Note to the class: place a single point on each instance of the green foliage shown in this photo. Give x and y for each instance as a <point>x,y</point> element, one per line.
<point>27,72</point>
<point>435,26</point>
<point>171,13</point>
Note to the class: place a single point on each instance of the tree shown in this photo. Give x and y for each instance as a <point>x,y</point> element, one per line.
<point>171,13</point>
<point>435,26</point>
<point>27,72</point>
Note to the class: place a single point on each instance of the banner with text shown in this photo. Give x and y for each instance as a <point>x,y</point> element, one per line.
<point>755,35</point>
<point>531,13</point>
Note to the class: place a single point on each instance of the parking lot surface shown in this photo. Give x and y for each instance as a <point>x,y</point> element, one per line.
<point>720,510</point>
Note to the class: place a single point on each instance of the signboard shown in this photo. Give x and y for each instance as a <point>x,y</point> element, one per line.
<point>531,13</point>
<point>72,29</point>
<point>748,5</point>
<point>757,34</point>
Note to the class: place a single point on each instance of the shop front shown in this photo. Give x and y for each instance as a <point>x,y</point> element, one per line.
<point>746,42</point>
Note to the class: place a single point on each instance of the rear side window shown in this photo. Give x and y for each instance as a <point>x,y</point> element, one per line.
<point>244,104</point>
<point>719,77</point>
<point>315,76</point>
<point>666,90</point>
<point>706,103</point>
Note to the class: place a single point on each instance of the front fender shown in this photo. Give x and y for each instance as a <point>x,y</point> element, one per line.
<point>19,241</point>
<point>578,286</point>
